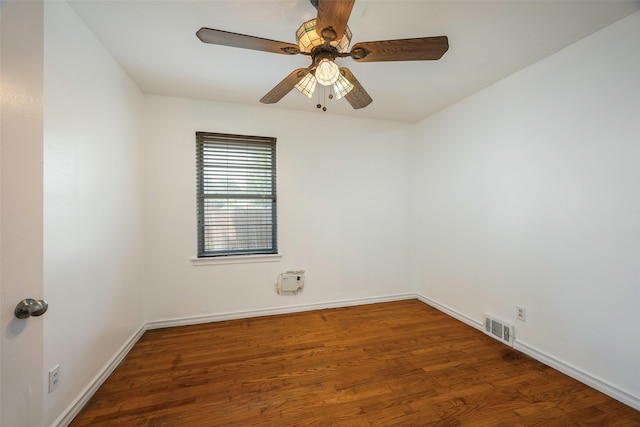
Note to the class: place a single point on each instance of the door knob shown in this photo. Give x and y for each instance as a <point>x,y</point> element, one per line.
<point>31,307</point>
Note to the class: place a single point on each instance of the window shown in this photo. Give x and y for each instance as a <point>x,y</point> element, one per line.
<point>236,191</point>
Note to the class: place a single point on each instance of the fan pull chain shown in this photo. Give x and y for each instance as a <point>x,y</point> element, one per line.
<point>324,97</point>
<point>318,106</point>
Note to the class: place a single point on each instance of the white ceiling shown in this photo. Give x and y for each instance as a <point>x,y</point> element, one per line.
<point>156,44</point>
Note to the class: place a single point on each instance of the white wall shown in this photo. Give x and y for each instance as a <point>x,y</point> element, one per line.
<point>93,206</point>
<point>523,194</point>
<point>527,194</point>
<point>343,203</point>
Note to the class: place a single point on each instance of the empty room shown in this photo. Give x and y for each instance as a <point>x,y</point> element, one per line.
<point>317,212</point>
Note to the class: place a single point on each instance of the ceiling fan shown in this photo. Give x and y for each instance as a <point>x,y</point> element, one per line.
<point>324,39</point>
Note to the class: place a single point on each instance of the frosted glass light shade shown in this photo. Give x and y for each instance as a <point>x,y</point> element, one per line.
<point>342,86</point>
<point>307,85</point>
<point>327,72</point>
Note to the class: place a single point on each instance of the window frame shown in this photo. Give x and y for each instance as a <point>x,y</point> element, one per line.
<point>206,140</point>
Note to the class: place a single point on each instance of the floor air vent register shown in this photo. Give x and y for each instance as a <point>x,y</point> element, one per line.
<point>499,330</point>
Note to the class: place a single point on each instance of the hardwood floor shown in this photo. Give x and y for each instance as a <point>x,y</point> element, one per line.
<point>400,363</point>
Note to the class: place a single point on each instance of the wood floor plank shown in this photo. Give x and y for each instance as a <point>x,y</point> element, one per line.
<point>401,363</point>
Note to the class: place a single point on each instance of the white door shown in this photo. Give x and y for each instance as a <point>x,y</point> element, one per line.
<point>21,266</point>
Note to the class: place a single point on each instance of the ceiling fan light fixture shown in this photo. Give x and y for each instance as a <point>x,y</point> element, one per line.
<point>327,72</point>
<point>342,87</point>
<point>308,38</point>
<point>307,85</point>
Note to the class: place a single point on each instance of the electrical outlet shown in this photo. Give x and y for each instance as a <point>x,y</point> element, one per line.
<point>54,378</point>
<point>521,313</point>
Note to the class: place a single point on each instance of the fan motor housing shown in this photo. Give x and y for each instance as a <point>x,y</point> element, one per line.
<point>323,52</point>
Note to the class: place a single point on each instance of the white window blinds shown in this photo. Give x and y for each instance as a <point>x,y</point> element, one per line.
<point>236,191</point>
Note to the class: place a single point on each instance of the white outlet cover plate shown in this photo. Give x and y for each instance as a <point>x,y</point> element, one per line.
<point>54,378</point>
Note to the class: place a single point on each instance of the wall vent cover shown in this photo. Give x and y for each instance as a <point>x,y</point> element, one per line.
<point>499,330</point>
<point>290,282</point>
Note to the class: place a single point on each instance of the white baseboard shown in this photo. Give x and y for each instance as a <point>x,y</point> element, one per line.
<point>547,359</point>
<point>575,373</point>
<point>451,312</point>
<point>194,320</point>
<point>76,406</point>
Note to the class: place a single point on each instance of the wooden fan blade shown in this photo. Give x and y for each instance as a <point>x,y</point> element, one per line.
<point>358,97</point>
<point>418,49</point>
<point>284,87</point>
<point>225,38</point>
<point>333,14</point>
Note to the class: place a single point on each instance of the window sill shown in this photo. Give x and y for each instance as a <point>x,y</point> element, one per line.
<point>240,259</point>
